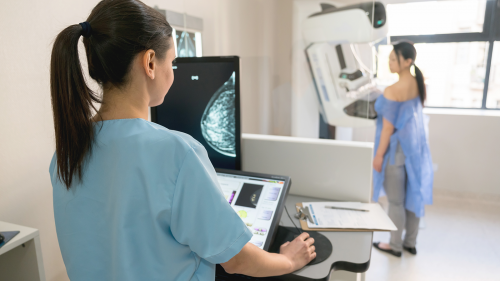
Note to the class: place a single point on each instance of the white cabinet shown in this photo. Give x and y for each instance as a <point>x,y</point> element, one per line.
<point>21,258</point>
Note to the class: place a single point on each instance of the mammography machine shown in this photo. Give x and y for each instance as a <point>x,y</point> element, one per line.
<point>337,39</point>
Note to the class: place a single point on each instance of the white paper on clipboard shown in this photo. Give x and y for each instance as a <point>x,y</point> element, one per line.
<point>375,218</point>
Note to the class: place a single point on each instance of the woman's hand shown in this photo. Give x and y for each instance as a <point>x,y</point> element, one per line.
<point>377,163</point>
<point>253,261</point>
<point>300,251</point>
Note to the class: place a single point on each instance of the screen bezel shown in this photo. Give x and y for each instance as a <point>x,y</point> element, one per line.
<point>281,201</point>
<point>236,61</point>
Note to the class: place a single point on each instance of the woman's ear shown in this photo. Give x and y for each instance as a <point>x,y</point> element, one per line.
<point>149,63</point>
<point>408,62</point>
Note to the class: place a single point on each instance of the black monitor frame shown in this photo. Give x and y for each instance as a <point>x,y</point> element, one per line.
<point>236,61</point>
<point>273,230</point>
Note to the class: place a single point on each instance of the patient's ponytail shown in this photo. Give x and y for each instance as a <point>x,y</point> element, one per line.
<point>408,51</point>
<point>420,83</point>
<point>115,32</point>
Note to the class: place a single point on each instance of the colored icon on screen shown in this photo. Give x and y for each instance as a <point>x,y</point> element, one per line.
<point>265,214</point>
<point>231,197</point>
<point>273,193</point>
<point>242,214</point>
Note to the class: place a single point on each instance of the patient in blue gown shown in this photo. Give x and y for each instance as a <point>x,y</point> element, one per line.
<point>402,162</point>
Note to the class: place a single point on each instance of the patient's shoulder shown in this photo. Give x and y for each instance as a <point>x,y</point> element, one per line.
<point>390,92</point>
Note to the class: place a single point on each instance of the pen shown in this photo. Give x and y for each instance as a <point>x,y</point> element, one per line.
<point>349,209</point>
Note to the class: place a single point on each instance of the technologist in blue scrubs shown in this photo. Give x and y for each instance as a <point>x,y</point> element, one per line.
<point>402,162</point>
<point>132,199</point>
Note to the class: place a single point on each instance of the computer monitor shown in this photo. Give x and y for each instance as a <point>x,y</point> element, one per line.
<point>204,102</point>
<point>258,199</point>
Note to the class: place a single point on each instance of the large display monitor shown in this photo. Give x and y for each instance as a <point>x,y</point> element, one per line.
<point>204,102</point>
<point>258,199</point>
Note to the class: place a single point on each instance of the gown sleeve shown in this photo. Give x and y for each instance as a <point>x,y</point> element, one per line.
<point>201,217</point>
<point>390,112</point>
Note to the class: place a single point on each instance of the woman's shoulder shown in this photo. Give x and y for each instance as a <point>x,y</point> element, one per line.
<point>141,133</point>
<point>390,92</point>
<point>400,91</point>
<point>179,139</point>
<point>134,135</point>
<point>388,100</point>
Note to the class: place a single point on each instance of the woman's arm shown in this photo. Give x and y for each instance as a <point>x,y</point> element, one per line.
<point>385,137</point>
<point>253,261</point>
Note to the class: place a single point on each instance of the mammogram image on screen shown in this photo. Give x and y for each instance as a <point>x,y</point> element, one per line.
<point>249,195</point>
<point>218,121</point>
<point>202,103</point>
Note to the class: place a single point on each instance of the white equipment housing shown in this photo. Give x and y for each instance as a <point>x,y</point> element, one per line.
<point>327,169</point>
<point>343,83</point>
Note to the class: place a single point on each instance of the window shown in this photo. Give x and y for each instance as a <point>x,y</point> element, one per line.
<point>454,72</point>
<point>436,17</point>
<point>493,97</point>
<point>456,50</point>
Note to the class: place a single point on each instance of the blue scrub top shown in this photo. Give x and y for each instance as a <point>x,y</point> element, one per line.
<point>149,208</point>
<point>409,131</point>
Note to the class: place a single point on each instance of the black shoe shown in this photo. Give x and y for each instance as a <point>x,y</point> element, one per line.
<point>394,253</point>
<point>412,251</point>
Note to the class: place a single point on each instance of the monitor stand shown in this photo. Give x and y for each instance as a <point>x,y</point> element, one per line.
<point>286,234</point>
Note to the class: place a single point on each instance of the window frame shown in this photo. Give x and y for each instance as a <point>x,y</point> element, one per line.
<point>490,34</point>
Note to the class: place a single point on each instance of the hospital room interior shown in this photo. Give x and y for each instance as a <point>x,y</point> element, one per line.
<point>369,127</point>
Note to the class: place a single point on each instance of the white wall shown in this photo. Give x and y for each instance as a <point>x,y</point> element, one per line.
<point>466,147</point>
<point>248,28</point>
<point>305,111</point>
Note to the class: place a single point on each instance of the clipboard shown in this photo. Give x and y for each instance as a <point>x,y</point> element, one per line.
<point>304,226</point>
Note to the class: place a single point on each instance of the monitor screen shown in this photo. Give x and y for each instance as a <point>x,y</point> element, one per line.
<point>204,103</point>
<point>258,200</point>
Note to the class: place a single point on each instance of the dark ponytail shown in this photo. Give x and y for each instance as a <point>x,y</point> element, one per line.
<point>71,104</point>
<point>421,85</point>
<point>408,51</point>
<point>116,31</point>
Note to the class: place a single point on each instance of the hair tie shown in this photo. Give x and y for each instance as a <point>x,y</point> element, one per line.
<point>86,29</point>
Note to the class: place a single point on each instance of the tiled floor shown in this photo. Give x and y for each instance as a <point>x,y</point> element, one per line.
<point>460,241</point>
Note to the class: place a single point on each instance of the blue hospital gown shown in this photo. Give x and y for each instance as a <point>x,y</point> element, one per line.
<point>149,208</point>
<point>409,132</point>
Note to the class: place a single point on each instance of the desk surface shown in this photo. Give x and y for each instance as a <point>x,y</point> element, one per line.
<point>25,234</point>
<point>351,250</point>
